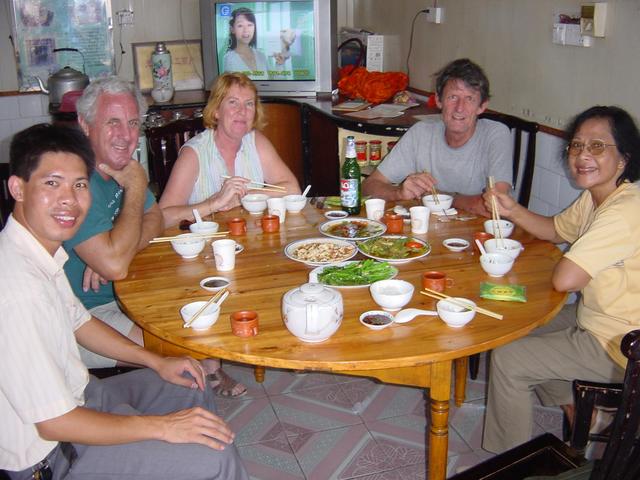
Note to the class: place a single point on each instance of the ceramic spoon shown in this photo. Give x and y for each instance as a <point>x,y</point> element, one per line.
<point>306,190</point>
<point>408,314</point>
<point>196,215</point>
<point>481,247</point>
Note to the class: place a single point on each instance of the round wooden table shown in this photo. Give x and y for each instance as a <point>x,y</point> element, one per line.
<point>419,353</point>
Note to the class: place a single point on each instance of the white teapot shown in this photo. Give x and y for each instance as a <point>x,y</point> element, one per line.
<point>312,312</point>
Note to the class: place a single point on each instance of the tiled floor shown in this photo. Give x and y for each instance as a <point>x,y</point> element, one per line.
<point>319,426</point>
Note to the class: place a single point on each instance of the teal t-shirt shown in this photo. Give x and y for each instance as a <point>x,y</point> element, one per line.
<point>106,198</point>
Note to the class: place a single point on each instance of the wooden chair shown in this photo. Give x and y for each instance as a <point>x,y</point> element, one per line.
<point>548,455</point>
<point>524,155</point>
<point>6,200</point>
<point>164,145</point>
<point>587,396</point>
<point>524,152</point>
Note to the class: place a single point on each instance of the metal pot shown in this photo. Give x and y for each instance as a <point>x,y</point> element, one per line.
<point>64,80</point>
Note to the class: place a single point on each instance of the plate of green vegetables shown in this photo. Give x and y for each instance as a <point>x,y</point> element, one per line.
<point>394,248</point>
<point>353,274</point>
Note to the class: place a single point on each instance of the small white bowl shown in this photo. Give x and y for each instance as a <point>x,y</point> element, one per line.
<point>204,227</point>
<point>496,264</point>
<point>213,284</point>
<point>336,214</point>
<point>206,318</point>
<point>254,203</point>
<point>294,203</point>
<point>506,227</point>
<point>456,244</point>
<point>506,245</point>
<point>392,294</point>
<point>445,201</point>
<point>454,315</point>
<point>188,246</point>
<point>376,326</point>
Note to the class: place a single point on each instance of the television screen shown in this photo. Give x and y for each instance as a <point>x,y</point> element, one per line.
<point>287,47</point>
<point>266,40</point>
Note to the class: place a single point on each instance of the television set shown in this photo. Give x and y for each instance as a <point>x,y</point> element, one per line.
<point>290,50</point>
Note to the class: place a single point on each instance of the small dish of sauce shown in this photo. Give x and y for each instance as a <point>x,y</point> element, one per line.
<point>456,244</point>
<point>376,319</point>
<point>213,284</point>
<point>333,214</point>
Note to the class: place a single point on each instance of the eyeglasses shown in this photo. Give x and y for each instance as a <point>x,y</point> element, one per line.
<point>594,147</point>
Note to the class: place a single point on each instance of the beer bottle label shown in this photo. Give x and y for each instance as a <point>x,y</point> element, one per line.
<point>349,192</point>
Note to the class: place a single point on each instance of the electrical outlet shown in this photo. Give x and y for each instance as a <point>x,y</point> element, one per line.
<point>435,14</point>
<point>125,18</point>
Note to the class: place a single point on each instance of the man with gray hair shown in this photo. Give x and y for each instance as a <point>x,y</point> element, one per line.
<point>455,152</point>
<point>123,216</point>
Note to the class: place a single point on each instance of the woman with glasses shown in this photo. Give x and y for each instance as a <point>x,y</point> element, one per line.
<point>602,263</point>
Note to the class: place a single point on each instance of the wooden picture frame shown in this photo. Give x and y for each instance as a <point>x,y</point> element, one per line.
<point>186,64</point>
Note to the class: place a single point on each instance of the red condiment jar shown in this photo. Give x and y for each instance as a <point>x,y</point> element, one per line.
<point>394,223</point>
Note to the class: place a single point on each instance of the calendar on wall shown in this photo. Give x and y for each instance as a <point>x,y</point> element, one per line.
<point>42,26</point>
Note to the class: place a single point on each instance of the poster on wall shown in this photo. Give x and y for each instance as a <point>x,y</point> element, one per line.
<point>81,27</point>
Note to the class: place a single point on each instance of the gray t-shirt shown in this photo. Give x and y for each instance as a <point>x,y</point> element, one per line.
<point>464,170</point>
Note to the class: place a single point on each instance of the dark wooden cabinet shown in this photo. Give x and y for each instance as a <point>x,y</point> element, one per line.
<point>284,131</point>
<point>320,143</point>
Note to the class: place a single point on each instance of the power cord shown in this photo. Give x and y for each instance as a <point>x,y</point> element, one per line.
<point>413,25</point>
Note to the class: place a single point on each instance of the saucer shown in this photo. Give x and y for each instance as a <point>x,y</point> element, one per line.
<point>441,213</point>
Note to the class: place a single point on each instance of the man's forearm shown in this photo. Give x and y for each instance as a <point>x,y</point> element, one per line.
<point>152,226</point>
<point>98,337</point>
<point>128,227</point>
<point>379,189</point>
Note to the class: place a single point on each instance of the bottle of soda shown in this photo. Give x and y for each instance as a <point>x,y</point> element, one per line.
<point>350,194</point>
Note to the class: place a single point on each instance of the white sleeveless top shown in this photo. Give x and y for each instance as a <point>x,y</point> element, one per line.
<point>212,166</point>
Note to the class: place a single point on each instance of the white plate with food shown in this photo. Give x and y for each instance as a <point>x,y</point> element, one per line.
<point>353,229</point>
<point>394,248</point>
<point>320,251</point>
<point>353,274</point>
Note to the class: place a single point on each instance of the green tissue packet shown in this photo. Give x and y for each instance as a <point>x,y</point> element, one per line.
<point>507,293</point>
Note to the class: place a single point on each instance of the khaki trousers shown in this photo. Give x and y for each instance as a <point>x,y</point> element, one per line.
<point>544,362</point>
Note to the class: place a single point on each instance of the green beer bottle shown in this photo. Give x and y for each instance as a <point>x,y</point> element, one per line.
<point>350,193</point>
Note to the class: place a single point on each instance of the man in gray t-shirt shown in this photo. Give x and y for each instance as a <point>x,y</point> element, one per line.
<point>454,152</point>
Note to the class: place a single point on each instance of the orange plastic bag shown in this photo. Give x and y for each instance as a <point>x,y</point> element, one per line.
<point>374,87</point>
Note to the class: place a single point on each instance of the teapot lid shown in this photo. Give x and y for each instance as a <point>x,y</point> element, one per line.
<point>312,293</point>
<point>68,73</point>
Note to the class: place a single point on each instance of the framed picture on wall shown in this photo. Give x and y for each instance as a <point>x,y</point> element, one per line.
<point>50,34</point>
<point>186,64</point>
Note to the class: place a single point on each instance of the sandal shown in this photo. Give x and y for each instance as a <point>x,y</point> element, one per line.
<point>223,385</point>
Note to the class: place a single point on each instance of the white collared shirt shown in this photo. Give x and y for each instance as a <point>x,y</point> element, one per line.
<point>41,373</point>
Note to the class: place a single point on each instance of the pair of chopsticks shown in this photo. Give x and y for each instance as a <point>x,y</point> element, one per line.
<point>191,235</point>
<point>220,294</point>
<point>433,294</point>
<point>267,187</point>
<point>495,214</point>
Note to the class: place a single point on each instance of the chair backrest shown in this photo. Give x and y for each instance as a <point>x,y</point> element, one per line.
<point>164,145</point>
<point>524,152</point>
<point>6,200</point>
<point>621,459</point>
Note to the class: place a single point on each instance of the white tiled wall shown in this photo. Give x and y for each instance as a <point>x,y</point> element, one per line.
<point>551,191</point>
<point>17,113</point>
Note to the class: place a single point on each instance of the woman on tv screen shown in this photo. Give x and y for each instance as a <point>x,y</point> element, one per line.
<point>217,167</point>
<point>242,54</point>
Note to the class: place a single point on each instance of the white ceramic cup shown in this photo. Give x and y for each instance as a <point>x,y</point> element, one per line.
<point>419,219</point>
<point>375,208</point>
<point>277,207</point>
<point>224,252</point>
